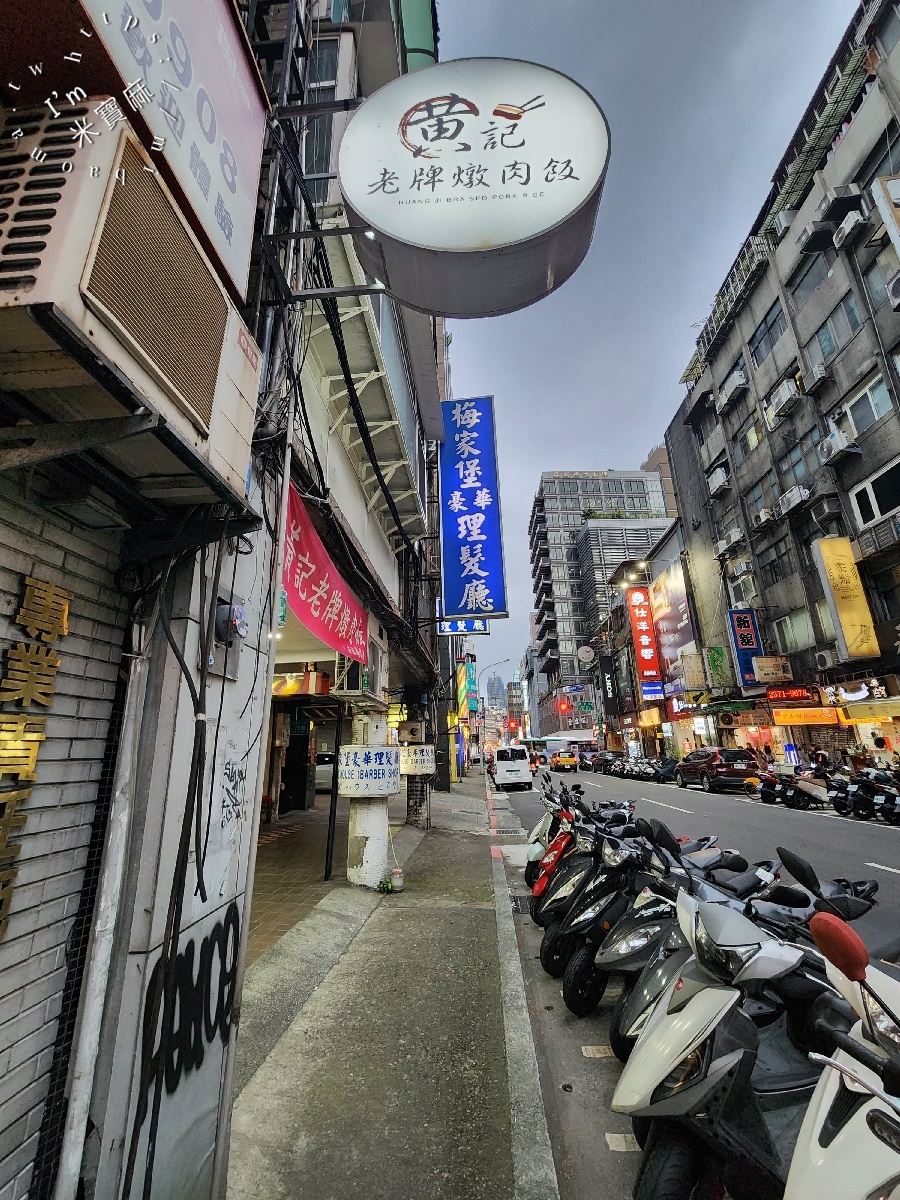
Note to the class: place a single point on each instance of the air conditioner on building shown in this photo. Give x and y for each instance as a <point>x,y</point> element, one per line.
<point>718,481</point>
<point>826,508</point>
<point>893,291</point>
<point>816,236</point>
<point>113,275</point>
<point>762,517</point>
<point>836,444</point>
<point>839,201</point>
<point>721,548</point>
<point>743,566</point>
<point>850,229</point>
<point>815,378</point>
<point>733,386</point>
<point>824,659</point>
<point>783,399</point>
<point>791,498</point>
<point>720,405</point>
<point>783,222</point>
<point>744,589</point>
<point>733,535</point>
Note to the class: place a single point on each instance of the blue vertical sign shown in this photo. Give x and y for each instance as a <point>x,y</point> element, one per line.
<point>746,642</point>
<point>474,580</point>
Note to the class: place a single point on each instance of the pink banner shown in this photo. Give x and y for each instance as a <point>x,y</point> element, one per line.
<point>318,596</point>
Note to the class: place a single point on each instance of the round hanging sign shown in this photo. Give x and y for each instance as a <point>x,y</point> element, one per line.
<point>474,184</point>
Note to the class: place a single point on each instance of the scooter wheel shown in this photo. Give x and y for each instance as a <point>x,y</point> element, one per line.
<point>620,1045</point>
<point>842,808</point>
<point>892,818</point>
<point>864,814</point>
<point>532,870</point>
<point>583,983</point>
<point>556,949</point>
<point>534,910</point>
<point>672,1166</point>
<point>766,797</point>
<point>802,801</point>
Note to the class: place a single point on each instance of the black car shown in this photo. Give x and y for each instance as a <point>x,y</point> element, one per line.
<point>603,758</point>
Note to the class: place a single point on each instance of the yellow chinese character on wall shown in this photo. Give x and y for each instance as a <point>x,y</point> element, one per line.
<point>30,674</point>
<point>45,610</point>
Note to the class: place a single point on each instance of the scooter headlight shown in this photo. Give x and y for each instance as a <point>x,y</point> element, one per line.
<point>688,1071</point>
<point>590,914</point>
<point>567,888</point>
<point>885,1032</point>
<point>614,853</point>
<point>723,962</point>
<point>637,940</point>
<point>583,843</point>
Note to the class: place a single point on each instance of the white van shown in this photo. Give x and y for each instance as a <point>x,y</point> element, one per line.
<point>512,768</point>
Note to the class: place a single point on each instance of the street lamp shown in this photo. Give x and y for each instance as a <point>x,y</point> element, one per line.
<point>499,663</point>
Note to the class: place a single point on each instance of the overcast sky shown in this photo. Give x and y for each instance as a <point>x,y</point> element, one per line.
<point>701,97</point>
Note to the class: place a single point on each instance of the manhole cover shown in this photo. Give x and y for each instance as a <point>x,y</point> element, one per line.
<point>520,904</point>
<point>507,831</point>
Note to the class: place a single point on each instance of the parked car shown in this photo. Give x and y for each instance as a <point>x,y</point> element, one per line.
<point>586,759</point>
<point>563,760</point>
<point>512,769</point>
<point>324,772</point>
<point>603,758</point>
<point>714,768</point>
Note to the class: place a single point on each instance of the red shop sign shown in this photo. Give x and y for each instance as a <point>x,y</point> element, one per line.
<point>644,635</point>
<point>791,693</point>
<point>316,592</point>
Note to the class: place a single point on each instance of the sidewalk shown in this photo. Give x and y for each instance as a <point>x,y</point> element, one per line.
<point>385,1046</point>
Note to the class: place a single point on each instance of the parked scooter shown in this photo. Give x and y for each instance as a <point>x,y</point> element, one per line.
<point>848,1145</point>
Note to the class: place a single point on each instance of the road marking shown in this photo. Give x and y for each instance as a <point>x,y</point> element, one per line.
<point>882,867</point>
<point>672,806</point>
<point>625,1142</point>
<point>596,1051</point>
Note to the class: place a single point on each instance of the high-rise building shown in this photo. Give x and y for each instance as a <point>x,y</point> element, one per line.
<point>623,513</point>
<point>658,460</point>
<point>515,702</point>
<point>496,695</point>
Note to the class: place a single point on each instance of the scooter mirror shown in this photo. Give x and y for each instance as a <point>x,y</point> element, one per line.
<point>665,839</point>
<point>840,944</point>
<point>800,869</point>
<point>644,828</point>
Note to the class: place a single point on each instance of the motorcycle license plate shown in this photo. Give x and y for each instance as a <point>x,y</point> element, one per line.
<point>853,787</point>
<point>778,787</point>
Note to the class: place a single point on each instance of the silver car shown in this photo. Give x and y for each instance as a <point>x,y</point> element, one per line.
<point>324,772</point>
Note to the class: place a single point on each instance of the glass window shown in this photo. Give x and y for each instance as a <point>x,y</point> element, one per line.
<point>879,497</point>
<point>865,409</point>
<point>795,632</point>
<point>801,460</point>
<point>747,438</point>
<point>762,494</point>
<point>809,530</point>
<point>549,489</point>
<point>810,279</point>
<point>323,62</point>
<point>889,30</point>
<point>568,486</point>
<point>886,594</point>
<point>612,485</point>
<point>767,334</point>
<point>831,337</point>
<point>823,612</point>
<point>878,275</point>
<point>776,562</point>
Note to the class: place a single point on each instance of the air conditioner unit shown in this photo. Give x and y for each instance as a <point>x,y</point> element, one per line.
<point>852,226</point>
<point>718,481</point>
<point>733,535</point>
<point>783,399</point>
<point>743,566</point>
<point>721,548</point>
<point>762,517</point>
<point>824,659</point>
<point>783,222</point>
<point>816,236</point>
<point>836,444</point>
<point>720,405</point>
<point>128,314</point>
<point>826,508</point>
<point>733,385</point>
<point>839,201</point>
<point>815,378</point>
<point>791,498</point>
<point>893,291</point>
<point>744,589</point>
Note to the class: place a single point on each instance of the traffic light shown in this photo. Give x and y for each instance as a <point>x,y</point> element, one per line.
<point>563,706</point>
<point>512,725</point>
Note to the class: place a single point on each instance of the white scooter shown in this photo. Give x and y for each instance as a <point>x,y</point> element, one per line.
<point>849,1143</point>
<point>721,1067</point>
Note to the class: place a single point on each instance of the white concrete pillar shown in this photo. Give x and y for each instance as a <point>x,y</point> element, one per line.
<point>367,845</point>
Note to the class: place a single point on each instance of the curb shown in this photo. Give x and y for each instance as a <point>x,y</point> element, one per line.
<point>534,1173</point>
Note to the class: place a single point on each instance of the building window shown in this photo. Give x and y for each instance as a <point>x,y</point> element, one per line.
<point>322,82</point>
<point>879,497</point>
<point>889,31</point>
<point>834,334</point>
<point>775,562</point>
<point>568,487</point>
<point>801,460</point>
<point>747,438</point>
<point>823,613</point>
<point>817,270</point>
<point>879,274</point>
<point>612,485</point>
<point>767,334</point>
<point>763,494</point>
<point>795,632</point>
<point>866,407</point>
<point>810,530</point>
<point>886,594</point>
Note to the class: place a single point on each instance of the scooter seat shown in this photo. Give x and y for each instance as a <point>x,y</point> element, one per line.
<point>704,860</point>
<point>692,847</point>
<point>742,885</point>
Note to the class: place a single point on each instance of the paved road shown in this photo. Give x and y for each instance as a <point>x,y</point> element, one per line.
<point>592,1147</point>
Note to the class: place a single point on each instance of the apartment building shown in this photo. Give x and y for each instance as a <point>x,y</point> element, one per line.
<point>789,434</point>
